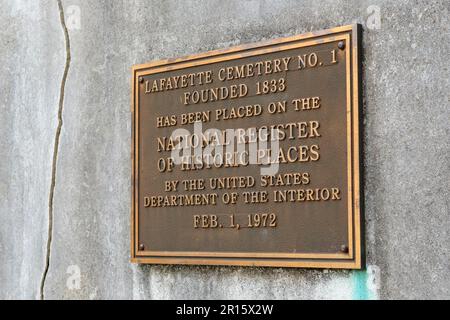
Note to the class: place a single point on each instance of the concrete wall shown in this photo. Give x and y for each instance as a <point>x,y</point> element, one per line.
<point>77,190</point>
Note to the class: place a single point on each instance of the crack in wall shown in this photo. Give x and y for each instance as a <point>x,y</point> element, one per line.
<point>56,149</point>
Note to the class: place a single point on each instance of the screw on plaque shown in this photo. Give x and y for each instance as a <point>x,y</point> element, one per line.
<point>141,79</point>
<point>344,248</point>
<point>141,247</point>
<point>341,45</point>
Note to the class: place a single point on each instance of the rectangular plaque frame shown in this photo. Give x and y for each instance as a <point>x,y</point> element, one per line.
<point>353,257</point>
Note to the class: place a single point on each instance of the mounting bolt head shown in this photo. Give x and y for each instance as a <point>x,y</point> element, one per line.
<point>341,45</point>
<point>141,79</point>
<point>344,248</point>
<point>141,247</point>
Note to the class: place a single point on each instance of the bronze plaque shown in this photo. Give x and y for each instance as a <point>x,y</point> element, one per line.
<point>250,155</point>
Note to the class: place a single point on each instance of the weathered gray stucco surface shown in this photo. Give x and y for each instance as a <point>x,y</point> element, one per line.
<point>31,56</point>
<point>406,146</point>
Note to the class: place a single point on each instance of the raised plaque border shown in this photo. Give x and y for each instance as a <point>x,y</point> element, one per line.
<point>351,34</point>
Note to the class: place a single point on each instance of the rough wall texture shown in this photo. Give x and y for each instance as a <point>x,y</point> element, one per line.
<point>406,146</point>
<point>31,56</point>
